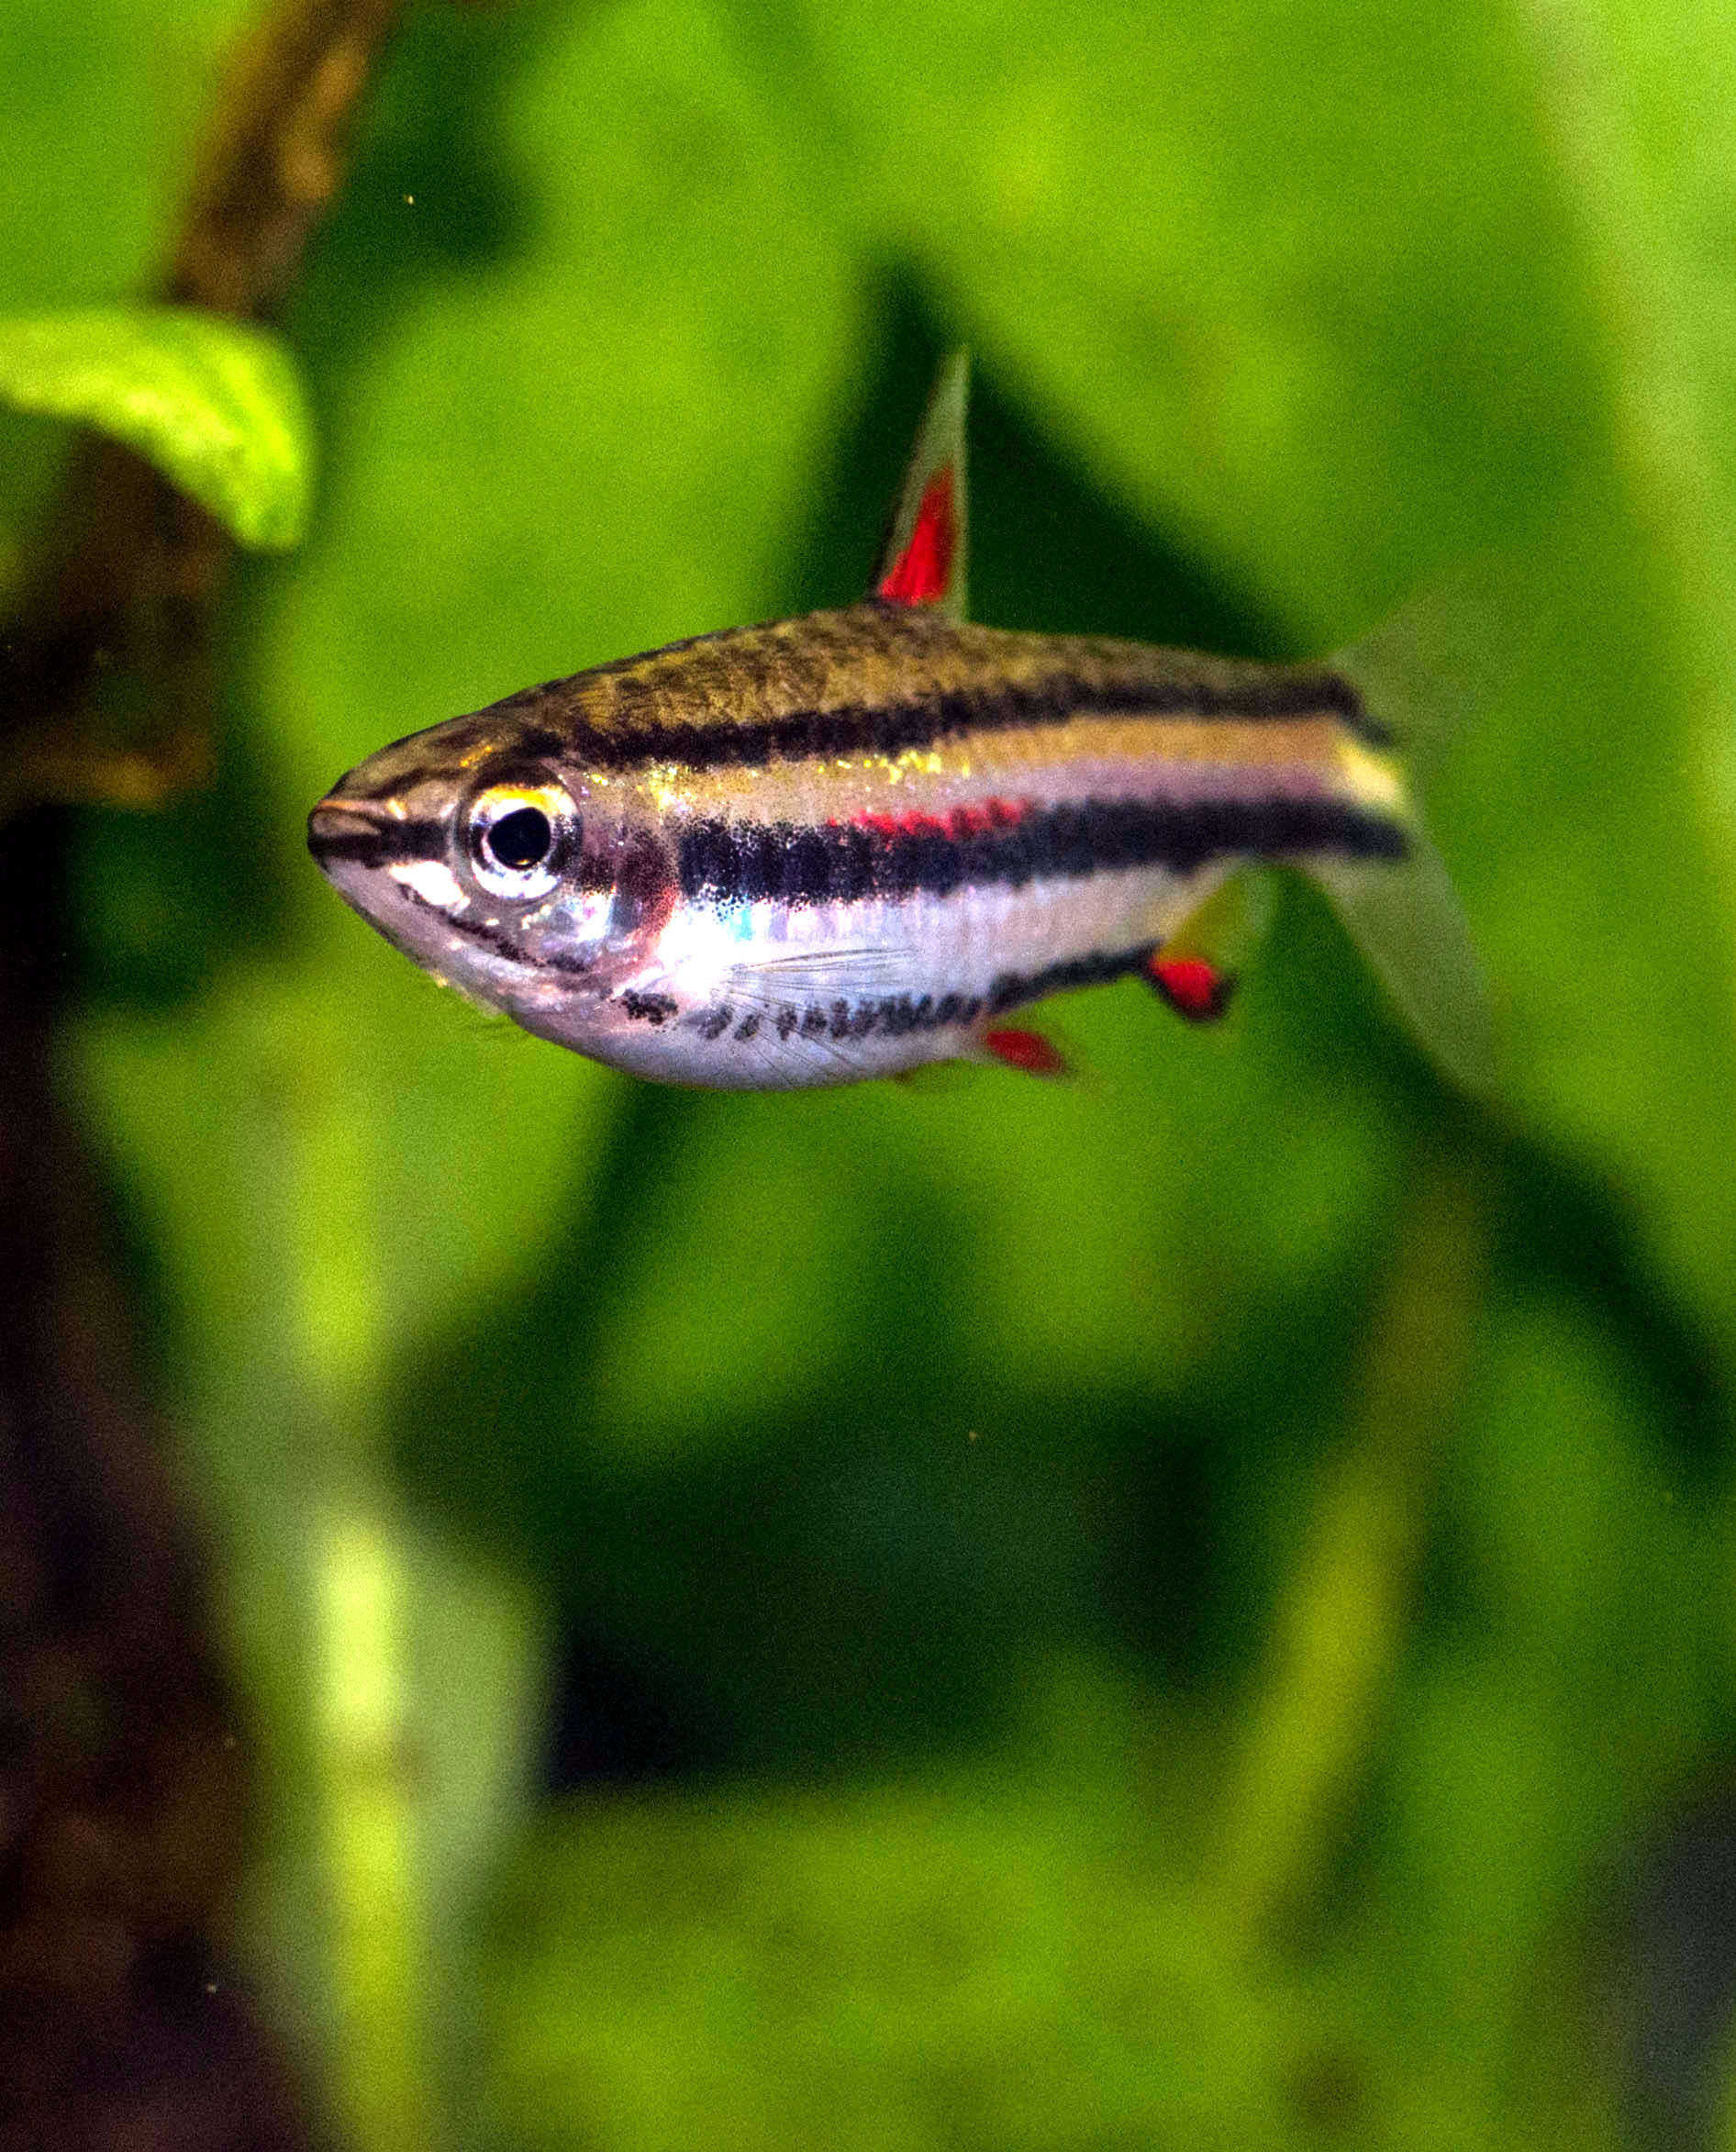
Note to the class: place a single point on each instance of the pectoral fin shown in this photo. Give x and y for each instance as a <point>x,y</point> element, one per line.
<point>815,974</point>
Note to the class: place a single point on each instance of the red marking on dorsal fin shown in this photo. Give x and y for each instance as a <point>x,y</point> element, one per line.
<point>923,560</point>
<point>1028,1051</point>
<point>922,573</point>
<point>1194,988</point>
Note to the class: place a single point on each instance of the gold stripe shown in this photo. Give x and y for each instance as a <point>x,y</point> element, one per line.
<point>1029,760</point>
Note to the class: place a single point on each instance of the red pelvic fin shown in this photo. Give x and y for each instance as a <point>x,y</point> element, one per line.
<point>1193,987</point>
<point>923,560</point>
<point>1028,1051</point>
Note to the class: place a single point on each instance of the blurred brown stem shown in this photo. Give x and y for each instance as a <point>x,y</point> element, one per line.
<point>111,686</point>
<point>123,1781</point>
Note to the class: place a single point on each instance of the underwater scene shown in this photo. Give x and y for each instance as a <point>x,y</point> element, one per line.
<point>960,1376</point>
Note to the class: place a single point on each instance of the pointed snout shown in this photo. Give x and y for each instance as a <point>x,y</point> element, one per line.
<point>344,827</point>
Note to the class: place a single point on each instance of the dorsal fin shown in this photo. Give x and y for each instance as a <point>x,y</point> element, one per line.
<point>923,560</point>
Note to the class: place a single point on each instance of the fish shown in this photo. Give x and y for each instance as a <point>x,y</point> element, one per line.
<point>845,846</point>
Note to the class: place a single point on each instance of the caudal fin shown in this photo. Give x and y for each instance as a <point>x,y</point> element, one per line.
<point>1428,671</point>
<point>1405,919</point>
<point>1426,674</point>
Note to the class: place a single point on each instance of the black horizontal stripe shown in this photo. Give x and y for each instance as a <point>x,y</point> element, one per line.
<point>374,844</point>
<point>746,862</point>
<point>897,1016</point>
<point>919,722</point>
<point>1015,990</point>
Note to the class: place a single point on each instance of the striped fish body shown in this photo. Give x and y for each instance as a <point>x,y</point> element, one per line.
<point>845,846</point>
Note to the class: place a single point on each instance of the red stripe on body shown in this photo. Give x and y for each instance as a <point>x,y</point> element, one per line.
<point>977,819</point>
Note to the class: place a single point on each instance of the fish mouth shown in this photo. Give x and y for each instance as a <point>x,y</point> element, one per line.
<point>363,832</point>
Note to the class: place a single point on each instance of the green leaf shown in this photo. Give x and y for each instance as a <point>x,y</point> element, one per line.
<point>216,405</point>
<point>1441,281</point>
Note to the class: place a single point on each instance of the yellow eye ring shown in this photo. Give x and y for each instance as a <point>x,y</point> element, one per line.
<point>518,838</point>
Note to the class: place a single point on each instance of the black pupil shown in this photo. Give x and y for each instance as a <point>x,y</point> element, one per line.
<point>521,839</point>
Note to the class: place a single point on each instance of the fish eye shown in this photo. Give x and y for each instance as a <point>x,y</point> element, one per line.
<point>519,840</point>
<point>518,834</point>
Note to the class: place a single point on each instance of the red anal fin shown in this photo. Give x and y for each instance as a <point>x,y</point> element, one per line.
<point>1028,1051</point>
<point>922,573</point>
<point>923,560</point>
<point>1193,987</point>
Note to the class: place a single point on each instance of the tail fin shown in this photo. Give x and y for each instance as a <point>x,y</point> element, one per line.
<point>1427,673</point>
<point>1406,920</point>
<point>1439,660</point>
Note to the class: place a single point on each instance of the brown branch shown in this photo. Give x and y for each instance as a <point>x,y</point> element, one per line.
<point>111,693</point>
<point>124,1782</point>
<point>276,158</point>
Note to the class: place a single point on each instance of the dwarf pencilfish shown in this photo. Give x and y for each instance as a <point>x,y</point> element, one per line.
<point>844,845</point>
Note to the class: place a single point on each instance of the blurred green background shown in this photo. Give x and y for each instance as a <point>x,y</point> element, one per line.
<point>1189,1610</point>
